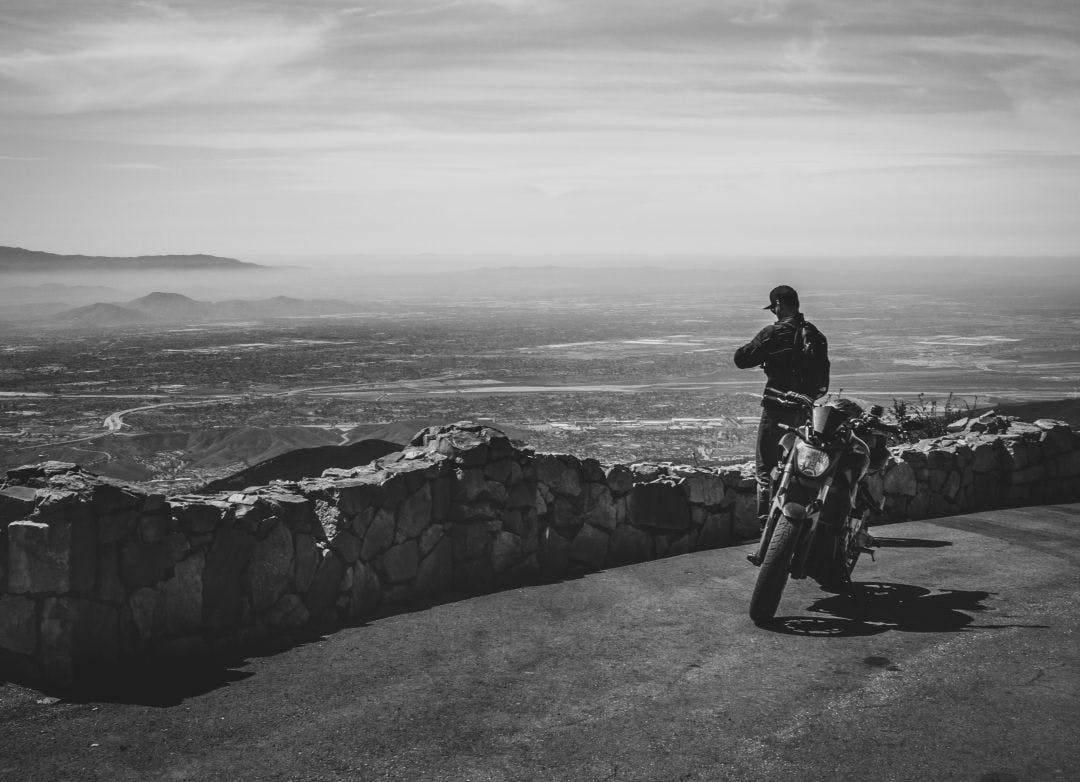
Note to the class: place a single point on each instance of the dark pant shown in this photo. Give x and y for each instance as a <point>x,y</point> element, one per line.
<point>768,451</point>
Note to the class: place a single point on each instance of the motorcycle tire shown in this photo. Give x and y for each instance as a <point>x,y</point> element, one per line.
<point>773,573</point>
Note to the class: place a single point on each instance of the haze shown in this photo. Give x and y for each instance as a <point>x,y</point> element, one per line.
<point>724,129</point>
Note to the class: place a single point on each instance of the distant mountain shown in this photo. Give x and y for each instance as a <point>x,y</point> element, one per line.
<point>169,306</point>
<point>100,314</point>
<point>164,307</point>
<point>18,259</point>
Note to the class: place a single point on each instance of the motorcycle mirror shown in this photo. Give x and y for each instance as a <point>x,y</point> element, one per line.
<point>877,411</point>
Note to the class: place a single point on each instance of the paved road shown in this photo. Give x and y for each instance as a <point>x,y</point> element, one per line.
<point>967,666</point>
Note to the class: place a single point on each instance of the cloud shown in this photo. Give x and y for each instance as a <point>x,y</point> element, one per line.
<point>133,166</point>
<point>488,63</point>
<point>161,58</point>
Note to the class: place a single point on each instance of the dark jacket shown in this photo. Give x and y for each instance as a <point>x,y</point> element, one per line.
<point>774,349</point>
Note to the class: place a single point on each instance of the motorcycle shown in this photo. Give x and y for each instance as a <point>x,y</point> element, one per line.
<point>820,500</point>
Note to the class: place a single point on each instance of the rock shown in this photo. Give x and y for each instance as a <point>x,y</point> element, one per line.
<point>39,557</point>
<point>958,425</point>
<point>506,551</point>
<point>469,485</point>
<point>500,471</point>
<point>153,527</point>
<point>223,594</point>
<point>430,537</point>
<point>1030,474</point>
<point>147,612</point>
<point>329,519</point>
<point>307,555</point>
<point>110,587</point>
<point>747,477</point>
<point>683,545</point>
<point>715,531</point>
<point>554,554</point>
<point>469,541</point>
<point>414,515</point>
<point>1067,465</point>
<point>919,505</point>
<point>78,638</point>
<point>400,562</point>
<point>986,455</point>
<point>952,485</point>
<point>1016,455</point>
<point>628,544</point>
<point>744,520</point>
<point>366,592</point>
<point>289,613</point>
<point>941,459</point>
<point>355,496</point>
<point>560,472</point>
<point>326,584</point>
<point>659,505</point>
<point>589,547</point>
<point>16,502</point>
<point>1056,438</point>
<point>602,513</point>
<point>519,495</point>
<point>379,535</point>
<point>900,479</point>
<point>346,545</point>
<point>435,572</point>
<point>109,497</point>
<point>184,595</point>
<point>18,624</point>
<point>704,488</point>
<point>619,478</point>
<point>197,515</point>
<point>270,565</point>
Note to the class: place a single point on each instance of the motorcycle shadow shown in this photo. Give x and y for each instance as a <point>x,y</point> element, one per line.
<point>910,543</point>
<point>875,608</point>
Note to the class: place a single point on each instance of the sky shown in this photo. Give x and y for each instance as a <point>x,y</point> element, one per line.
<point>715,128</point>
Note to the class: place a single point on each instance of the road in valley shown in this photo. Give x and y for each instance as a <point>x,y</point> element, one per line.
<point>964,666</point>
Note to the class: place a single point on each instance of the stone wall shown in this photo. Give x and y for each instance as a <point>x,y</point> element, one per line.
<point>95,573</point>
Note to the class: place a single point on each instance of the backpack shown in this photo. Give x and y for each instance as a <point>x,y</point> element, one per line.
<point>812,362</point>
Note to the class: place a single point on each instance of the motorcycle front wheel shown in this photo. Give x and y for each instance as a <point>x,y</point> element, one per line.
<point>773,573</point>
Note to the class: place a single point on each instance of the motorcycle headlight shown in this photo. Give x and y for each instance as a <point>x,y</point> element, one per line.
<point>810,461</point>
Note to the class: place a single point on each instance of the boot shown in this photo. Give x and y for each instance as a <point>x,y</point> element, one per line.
<point>764,502</point>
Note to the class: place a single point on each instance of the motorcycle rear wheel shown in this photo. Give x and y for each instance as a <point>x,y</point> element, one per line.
<point>773,573</point>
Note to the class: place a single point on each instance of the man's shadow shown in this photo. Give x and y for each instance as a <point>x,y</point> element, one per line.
<point>873,608</point>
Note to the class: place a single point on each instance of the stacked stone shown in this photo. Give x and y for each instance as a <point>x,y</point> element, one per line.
<point>491,521</point>
<point>987,462</point>
<point>595,516</point>
<point>73,545</point>
<point>94,572</point>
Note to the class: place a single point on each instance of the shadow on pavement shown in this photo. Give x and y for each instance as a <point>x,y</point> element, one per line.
<point>878,608</point>
<point>910,543</point>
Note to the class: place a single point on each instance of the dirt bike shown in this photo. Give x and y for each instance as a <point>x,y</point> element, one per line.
<point>820,501</point>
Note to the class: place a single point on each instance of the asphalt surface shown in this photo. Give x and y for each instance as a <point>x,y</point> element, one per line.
<point>965,664</point>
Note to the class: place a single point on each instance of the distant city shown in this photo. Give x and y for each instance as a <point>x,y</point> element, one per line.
<point>621,364</point>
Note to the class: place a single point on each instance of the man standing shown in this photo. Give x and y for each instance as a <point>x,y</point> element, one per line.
<point>785,350</point>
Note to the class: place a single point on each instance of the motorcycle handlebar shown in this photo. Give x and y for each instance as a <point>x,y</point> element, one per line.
<point>789,398</point>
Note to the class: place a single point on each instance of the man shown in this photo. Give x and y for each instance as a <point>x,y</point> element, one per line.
<point>779,348</point>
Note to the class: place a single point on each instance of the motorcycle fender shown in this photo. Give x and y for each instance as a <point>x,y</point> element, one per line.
<point>795,511</point>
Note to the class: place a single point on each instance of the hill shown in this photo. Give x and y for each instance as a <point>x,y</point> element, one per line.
<point>18,259</point>
<point>101,314</point>
<point>303,463</point>
<point>165,307</point>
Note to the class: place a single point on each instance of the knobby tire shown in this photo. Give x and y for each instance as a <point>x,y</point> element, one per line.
<point>773,573</point>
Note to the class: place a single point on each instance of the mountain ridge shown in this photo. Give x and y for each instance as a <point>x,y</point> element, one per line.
<point>24,260</point>
<point>166,307</point>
